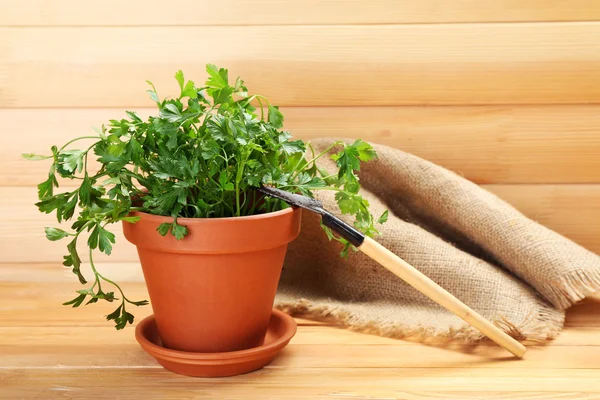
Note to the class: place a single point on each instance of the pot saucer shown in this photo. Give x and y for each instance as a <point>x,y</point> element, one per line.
<point>281,329</point>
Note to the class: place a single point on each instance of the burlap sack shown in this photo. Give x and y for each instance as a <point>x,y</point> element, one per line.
<point>507,267</point>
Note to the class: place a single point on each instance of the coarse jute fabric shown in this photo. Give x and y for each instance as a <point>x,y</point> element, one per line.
<point>507,267</point>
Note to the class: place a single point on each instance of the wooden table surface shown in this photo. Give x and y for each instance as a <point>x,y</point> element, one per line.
<point>49,351</point>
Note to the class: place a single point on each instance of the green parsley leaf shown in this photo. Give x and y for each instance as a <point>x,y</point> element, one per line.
<point>102,239</point>
<point>187,89</point>
<point>224,181</point>
<point>170,112</point>
<point>134,117</point>
<point>132,220</point>
<point>121,317</point>
<point>139,303</point>
<point>365,150</point>
<point>46,188</point>
<point>190,90</point>
<point>217,77</point>
<point>49,204</point>
<point>347,203</point>
<point>383,218</point>
<point>289,148</point>
<point>275,117</point>
<point>152,92</point>
<point>179,231</point>
<point>106,239</point>
<point>73,260</point>
<point>347,160</point>
<point>179,78</point>
<point>55,234</point>
<point>76,302</point>
<point>164,228</point>
<point>69,207</point>
<point>328,232</point>
<point>85,192</point>
<point>70,161</point>
<point>35,157</point>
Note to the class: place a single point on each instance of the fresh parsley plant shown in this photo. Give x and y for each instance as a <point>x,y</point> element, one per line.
<point>199,157</point>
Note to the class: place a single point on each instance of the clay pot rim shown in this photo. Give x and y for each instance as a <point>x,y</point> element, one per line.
<point>227,357</point>
<point>162,218</point>
<point>227,235</point>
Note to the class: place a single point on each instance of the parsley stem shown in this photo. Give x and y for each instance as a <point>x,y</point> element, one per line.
<point>79,138</point>
<point>324,152</point>
<point>316,188</point>
<point>260,96</point>
<point>237,199</point>
<point>328,177</point>
<point>96,274</point>
<point>117,286</point>
<point>253,203</point>
<point>317,157</point>
<point>99,275</point>
<point>210,177</point>
<point>262,113</point>
<point>312,149</point>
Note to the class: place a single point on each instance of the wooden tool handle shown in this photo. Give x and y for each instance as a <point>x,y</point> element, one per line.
<point>435,292</point>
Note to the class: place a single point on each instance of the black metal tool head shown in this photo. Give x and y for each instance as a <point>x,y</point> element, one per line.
<point>348,232</point>
<point>293,199</point>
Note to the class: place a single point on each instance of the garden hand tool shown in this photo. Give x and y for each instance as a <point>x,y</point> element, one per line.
<point>400,268</point>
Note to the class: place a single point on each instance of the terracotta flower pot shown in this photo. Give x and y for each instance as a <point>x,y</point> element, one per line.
<point>213,291</point>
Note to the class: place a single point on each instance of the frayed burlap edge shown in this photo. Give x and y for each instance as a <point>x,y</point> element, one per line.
<point>572,287</point>
<point>543,327</point>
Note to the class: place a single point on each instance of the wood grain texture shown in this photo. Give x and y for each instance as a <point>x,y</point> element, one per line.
<point>83,358</point>
<point>25,279</point>
<point>572,210</point>
<point>310,334</point>
<point>486,144</point>
<point>320,351</point>
<point>40,304</point>
<point>517,63</point>
<point>35,304</point>
<point>52,352</point>
<point>280,383</point>
<point>321,356</point>
<point>28,13</point>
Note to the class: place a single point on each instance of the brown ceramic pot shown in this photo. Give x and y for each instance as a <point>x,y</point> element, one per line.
<point>213,291</point>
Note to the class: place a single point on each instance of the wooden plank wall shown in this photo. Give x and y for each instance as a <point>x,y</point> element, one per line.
<point>506,93</point>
